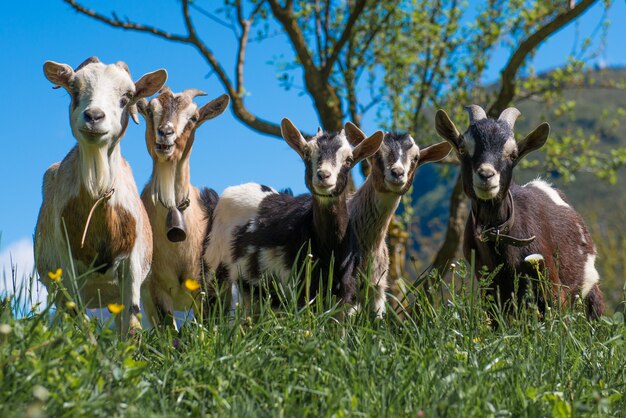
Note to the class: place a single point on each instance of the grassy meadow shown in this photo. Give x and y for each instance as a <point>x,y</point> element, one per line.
<point>445,359</point>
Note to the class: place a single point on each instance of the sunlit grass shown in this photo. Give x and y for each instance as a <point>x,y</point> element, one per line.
<point>449,358</point>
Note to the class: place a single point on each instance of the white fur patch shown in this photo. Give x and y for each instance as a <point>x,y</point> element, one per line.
<point>164,184</point>
<point>235,208</point>
<point>470,143</point>
<point>591,276</point>
<point>547,189</point>
<point>493,183</point>
<point>184,115</point>
<point>101,86</point>
<point>271,262</point>
<point>510,146</point>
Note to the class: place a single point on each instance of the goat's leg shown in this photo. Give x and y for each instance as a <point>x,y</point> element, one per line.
<point>130,286</point>
<point>150,310</point>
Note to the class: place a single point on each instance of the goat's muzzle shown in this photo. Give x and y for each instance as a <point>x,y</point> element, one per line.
<point>175,222</point>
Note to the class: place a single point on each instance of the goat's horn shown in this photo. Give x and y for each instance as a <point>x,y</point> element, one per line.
<point>194,93</point>
<point>132,109</point>
<point>87,62</point>
<point>509,116</point>
<point>123,65</point>
<point>476,113</point>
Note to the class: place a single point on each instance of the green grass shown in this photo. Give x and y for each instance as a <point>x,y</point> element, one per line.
<point>445,360</point>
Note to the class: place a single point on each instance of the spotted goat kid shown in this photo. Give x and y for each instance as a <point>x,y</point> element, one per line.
<point>180,214</point>
<point>91,195</point>
<point>373,205</point>
<point>508,222</point>
<point>260,234</point>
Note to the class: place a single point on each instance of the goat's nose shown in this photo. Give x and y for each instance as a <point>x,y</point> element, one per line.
<point>397,172</point>
<point>93,115</point>
<point>166,130</point>
<point>486,173</point>
<point>323,174</point>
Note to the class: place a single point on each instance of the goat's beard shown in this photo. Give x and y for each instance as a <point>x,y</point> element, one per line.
<point>96,169</point>
<point>164,184</point>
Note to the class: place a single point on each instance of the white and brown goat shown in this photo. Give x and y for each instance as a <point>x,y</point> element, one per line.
<point>180,214</point>
<point>375,202</point>
<point>111,251</point>
<point>260,234</point>
<point>508,222</point>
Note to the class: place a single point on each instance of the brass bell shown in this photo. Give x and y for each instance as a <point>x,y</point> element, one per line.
<point>175,225</point>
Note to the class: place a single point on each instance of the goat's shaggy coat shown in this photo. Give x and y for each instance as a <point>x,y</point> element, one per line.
<point>172,120</point>
<point>115,257</point>
<point>488,153</point>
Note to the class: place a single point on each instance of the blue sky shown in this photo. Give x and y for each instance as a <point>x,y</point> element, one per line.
<point>36,130</point>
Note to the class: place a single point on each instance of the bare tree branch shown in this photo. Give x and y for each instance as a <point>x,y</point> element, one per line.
<point>127,25</point>
<point>192,39</point>
<point>345,35</point>
<point>507,87</point>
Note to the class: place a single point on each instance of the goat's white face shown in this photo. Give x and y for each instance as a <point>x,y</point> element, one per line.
<point>103,96</point>
<point>100,95</point>
<point>399,156</point>
<point>328,157</point>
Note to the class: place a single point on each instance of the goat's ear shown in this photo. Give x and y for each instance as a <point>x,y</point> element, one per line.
<point>58,74</point>
<point>150,83</point>
<point>434,153</point>
<point>353,134</point>
<point>293,137</point>
<point>534,140</point>
<point>367,147</point>
<point>214,108</point>
<point>446,129</point>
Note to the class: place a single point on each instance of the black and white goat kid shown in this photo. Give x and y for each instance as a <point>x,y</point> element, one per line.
<point>270,232</point>
<point>508,222</point>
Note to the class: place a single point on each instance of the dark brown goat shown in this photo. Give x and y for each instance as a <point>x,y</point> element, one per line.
<point>508,222</point>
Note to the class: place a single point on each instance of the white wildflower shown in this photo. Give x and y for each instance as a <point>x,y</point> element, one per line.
<point>534,259</point>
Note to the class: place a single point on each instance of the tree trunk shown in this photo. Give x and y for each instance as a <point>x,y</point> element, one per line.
<point>456,224</point>
<point>398,240</point>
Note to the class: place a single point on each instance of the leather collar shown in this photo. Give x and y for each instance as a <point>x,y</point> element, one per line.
<point>499,234</point>
<point>184,204</point>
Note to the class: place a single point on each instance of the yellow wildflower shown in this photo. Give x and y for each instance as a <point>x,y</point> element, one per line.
<point>115,308</point>
<point>56,276</point>
<point>192,285</point>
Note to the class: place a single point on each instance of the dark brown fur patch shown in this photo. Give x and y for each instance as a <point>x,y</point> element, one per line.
<point>111,233</point>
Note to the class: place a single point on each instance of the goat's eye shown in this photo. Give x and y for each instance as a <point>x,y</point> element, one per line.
<point>126,98</point>
<point>349,161</point>
<point>194,118</point>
